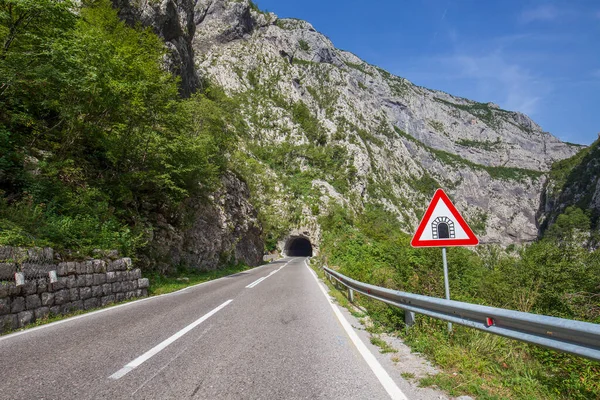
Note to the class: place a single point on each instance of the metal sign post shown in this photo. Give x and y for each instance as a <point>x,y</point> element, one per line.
<point>443,226</point>
<point>446,283</point>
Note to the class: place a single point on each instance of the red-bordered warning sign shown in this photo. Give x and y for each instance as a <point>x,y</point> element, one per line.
<point>443,226</point>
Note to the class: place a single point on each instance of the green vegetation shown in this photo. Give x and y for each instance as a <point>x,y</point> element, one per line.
<point>398,86</point>
<point>384,347</point>
<point>573,182</point>
<point>255,8</point>
<point>359,67</point>
<point>504,173</point>
<point>328,163</point>
<point>326,98</point>
<point>425,185</point>
<point>481,111</point>
<point>303,45</point>
<point>437,126</point>
<point>487,145</point>
<point>94,136</point>
<point>562,169</point>
<point>478,223</point>
<point>302,116</point>
<point>182,278</point>
<point>554,276</point>
<point>298,61</point>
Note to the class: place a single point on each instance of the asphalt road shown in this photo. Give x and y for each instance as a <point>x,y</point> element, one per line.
<point>238,337</point>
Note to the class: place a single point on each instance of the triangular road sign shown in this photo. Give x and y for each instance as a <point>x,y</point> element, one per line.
<point>443,226</point>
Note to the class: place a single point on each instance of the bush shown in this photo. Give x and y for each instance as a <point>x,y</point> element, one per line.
<point>93,133</point>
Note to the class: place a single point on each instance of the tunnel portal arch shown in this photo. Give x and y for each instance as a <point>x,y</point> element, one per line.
<point>443,228</point>
<point>298,246</point>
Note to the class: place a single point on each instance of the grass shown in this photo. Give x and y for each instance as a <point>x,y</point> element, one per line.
<point>161,284</point>
<point>476,363</point>
<point>299,61</point>
<point>384,347</point>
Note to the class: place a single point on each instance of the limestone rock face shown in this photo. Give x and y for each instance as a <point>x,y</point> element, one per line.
<point>172,20</point>
<point>399,141</point>
<point>220,229</point>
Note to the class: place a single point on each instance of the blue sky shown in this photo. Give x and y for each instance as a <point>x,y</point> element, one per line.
<point>540,57</point>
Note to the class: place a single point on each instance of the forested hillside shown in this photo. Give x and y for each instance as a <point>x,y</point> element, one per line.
<point>94,136</point>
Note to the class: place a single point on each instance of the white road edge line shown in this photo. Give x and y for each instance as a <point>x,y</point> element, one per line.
<point>259,280</point>
<point>384,378</point>
<point>111,308</point>
<point>159,347</point>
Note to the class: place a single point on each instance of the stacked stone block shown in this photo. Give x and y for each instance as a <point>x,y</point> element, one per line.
<point>80,286</point>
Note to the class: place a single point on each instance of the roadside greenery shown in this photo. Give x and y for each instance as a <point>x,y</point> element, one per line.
<point>93,133</point>
<point>554,276</point>
<point>182,278</point>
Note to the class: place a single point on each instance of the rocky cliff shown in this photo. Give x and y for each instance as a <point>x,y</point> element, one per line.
<point>208,233</point>
<point>173,21</point>
<point>574,181</point>
<point>325,127</point>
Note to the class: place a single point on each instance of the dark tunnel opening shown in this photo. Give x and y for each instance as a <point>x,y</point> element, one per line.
<point>299,247</point>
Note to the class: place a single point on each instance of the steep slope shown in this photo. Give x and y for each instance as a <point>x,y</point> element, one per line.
<point>326,126</point>
<point>573,182</point>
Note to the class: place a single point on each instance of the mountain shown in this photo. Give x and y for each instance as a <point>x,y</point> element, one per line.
<point>325,126</point>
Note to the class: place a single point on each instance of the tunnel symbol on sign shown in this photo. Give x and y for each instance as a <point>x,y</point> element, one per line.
<point>443,228</point>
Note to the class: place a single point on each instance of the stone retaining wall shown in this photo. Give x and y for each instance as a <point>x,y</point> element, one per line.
<point>79,285</point>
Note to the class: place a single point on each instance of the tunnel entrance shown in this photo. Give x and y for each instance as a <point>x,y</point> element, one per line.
<point>298,247</point>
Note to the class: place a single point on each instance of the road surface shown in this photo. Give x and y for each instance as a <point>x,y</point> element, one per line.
<point>267,333</point>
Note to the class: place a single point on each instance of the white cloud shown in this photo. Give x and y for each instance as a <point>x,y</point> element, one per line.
<point>546,12</point>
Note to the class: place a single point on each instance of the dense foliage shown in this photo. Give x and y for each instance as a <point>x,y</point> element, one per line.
<point>555,276</point>
<point>93,134</point>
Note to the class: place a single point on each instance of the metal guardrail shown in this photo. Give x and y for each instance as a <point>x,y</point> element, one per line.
<point>565,335</point>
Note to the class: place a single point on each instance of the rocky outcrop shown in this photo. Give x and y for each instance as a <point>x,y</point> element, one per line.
<point>172,20</point>
<point>221,22</point>
<point>573,182</point>
<point>209,233</point>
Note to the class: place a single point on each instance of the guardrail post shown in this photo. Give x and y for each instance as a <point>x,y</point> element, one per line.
<point>351,295</point>
<point>409,318</point>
